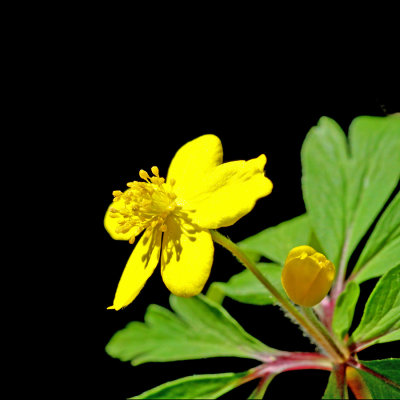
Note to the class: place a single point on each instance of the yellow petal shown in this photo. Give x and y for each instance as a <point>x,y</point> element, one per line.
<point>307,276</point>
<point>187,256</point>
<point>111,223</point>
<point>300,252</point>
<point>192,161</point>
<point>139,268</point>
<point>229,192</point>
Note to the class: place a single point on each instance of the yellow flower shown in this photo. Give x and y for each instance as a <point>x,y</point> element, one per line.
<point>307,276</point>
<point>200,193</point>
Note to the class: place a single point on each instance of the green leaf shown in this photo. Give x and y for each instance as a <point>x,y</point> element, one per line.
<point>374,171</point>
<point>259,391</point>
<point>199,328</point>
<point>344,310</point>
<point>382,251</point>
<point>336,388</point>
<point>208,386</point>
<point>275,243</point>
<point>382,310</point>
<point>345,186</point>
<point>324,156</point>
<point>389,337</point>
<point>246,288</point>
<point>381,389</point>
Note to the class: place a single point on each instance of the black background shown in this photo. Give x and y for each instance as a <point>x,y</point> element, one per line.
<point>112,109</point>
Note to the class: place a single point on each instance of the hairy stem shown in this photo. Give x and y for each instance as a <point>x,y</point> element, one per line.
<point>340,348</point>
<point>324,342</point>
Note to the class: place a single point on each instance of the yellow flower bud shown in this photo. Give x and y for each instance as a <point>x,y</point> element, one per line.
<point>307,276</point>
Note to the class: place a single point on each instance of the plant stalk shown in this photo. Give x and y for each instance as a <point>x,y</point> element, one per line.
<point>323,339</point>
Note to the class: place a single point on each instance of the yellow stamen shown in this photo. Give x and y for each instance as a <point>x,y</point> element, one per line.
<point>144,175</point>
<point>155,171</point>
<point>144,206</point>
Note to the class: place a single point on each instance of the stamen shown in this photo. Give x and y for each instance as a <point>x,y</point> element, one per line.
<point>144,206</point>
<point>155,171</point>
<point>132,239</point>
<point>144,175</point>
<point>117,195</point>
<point>148,232</point>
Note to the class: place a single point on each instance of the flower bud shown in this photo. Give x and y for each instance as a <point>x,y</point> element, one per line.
<point>307,276</point>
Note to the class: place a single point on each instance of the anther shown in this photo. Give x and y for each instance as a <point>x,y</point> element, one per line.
<point>132,239</point>
<point>155,171</point>
<point>117,193</point>
<point>144,175</point>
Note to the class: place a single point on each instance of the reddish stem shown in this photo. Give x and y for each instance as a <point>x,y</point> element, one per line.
<point>327,307</point>
<point>293,361</point>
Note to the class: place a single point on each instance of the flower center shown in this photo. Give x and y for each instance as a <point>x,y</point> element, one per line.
<point>145,205</point>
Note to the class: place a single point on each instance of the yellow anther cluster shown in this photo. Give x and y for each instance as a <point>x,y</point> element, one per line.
<point>144,206</point>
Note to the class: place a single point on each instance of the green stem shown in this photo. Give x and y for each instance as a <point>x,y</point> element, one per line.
<point>309,313</point>
<point>326,343</point>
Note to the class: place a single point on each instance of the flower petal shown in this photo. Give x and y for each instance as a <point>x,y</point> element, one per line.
<point>187,257</point>
<point>228,193</point>
<point>111,223</point>
<point>139,268</point>
<point>192,161</point>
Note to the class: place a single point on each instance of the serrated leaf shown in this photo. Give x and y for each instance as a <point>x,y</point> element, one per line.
<point>344,309</point>
<point>208,386</point>
<point>389,368</point>
<point>382,251</point>
<point>382,311</point>
<point>275,243</point>
<point>246,288</point>
<point>199,328</point>
<point>346,185</point>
